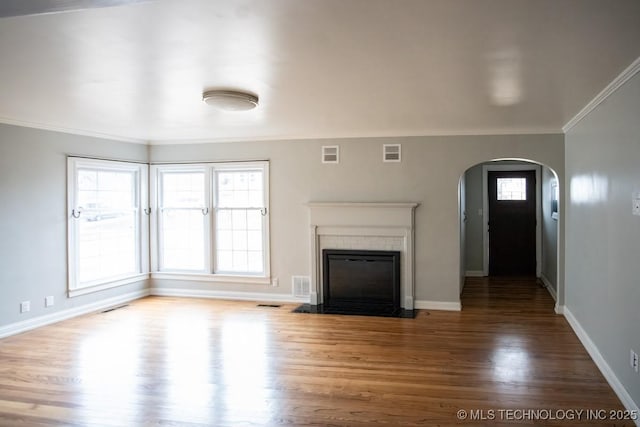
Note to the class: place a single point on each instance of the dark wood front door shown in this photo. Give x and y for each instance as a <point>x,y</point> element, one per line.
<point>512,223</point>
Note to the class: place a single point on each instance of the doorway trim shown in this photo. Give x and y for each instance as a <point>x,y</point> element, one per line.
<point>485,210</point>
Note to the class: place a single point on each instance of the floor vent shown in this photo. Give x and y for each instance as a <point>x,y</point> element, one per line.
<point>269,305</point>
<point>114,308</point>
<point>301,286</point>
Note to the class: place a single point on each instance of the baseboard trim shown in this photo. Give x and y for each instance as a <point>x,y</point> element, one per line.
<point>602,364</point>
<point>48,319</point>
<point>549,286</point>
<point>228,295</point>
<point>474,273</point>
<point>437,305</point>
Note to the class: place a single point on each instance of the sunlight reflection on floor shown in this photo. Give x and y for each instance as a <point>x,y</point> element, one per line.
<point>511,360</point>
<point>108,368</point>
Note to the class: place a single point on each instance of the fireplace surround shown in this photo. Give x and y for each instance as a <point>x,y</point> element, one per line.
<point>363,227</point>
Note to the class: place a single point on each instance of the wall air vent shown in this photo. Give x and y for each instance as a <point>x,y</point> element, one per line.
<point>391,153</point>
<point>330,154</point>
<point>301,286</point>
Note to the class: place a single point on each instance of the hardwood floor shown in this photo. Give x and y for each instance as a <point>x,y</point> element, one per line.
<point>194,362</point>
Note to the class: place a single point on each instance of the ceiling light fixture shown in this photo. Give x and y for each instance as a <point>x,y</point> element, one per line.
<point>230,100</point>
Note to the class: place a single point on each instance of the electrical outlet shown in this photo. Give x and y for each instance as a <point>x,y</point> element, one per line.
<point>275,281</point>
<point>633,360</point>
<point>25,306</point>
<point>48,301</point>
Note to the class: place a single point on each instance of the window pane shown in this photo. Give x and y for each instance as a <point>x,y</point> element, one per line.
<point>107,229</point>
<point>183,189</point>
<point>105,190</point>
<point>239,225</point>
<point>240,261</point>
<point>225,261</point>
<point>240,181</point>
<point>239,219</point>
<point>183,225</point>
<point>254,240</point>
<point>106,246</point>
<point>255,262</point>
<point>239,241</point>
<point>255,181</point>
<point>254,220</point>
<point>225,240</point>
<point>183,239</point>
<point>512,188</point>
<point>255,198</point>
<point>240,189</point>
<point>224,220</point>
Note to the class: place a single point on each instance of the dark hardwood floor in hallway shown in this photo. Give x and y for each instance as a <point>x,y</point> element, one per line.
<point>194,362</point>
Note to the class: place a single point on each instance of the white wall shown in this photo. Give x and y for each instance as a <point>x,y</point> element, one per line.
<point>429,174</point>
<point>602,282</point>
<point>33,251</point>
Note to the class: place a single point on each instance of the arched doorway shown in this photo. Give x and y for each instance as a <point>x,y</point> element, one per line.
<point>475,211</point>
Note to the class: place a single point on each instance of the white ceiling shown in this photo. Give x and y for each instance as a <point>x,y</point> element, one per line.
<point>322,68</point>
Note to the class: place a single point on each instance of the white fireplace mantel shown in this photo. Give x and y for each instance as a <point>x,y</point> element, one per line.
<point>366,226</point>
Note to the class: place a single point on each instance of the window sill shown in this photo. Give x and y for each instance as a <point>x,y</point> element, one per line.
<point>108,285</point>
<point>219,278</point>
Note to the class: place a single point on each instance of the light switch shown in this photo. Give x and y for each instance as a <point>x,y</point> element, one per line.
<point>636,203</point>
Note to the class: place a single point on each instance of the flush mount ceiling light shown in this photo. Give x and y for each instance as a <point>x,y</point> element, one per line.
<point>230,100</point>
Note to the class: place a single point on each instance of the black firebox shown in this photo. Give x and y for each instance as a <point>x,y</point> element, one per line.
<point>361,282</point>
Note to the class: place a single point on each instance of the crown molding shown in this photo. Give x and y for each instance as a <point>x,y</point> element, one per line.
<point>71,131</point>
<point>622,78</point>
<point>360,135</point>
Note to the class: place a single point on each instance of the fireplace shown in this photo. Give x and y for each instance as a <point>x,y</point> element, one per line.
<point>361,227</point>
<point>361,281</point>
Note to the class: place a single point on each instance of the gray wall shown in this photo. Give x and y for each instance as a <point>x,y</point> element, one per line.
<point>462,200</point>
<point>429,174</point>
<point>33,202</point>
<point>33,194</point>
<point>602,236</point>
<point>473,248</point>
<point>549,233</point>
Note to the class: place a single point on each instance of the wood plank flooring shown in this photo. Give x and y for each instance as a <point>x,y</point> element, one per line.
<point>195,362</point>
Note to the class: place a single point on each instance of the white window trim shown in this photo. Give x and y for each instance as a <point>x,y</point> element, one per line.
<point>108,285</point>
<point>210,275</point>
<point>142,241</point>
<point>213,278</point>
